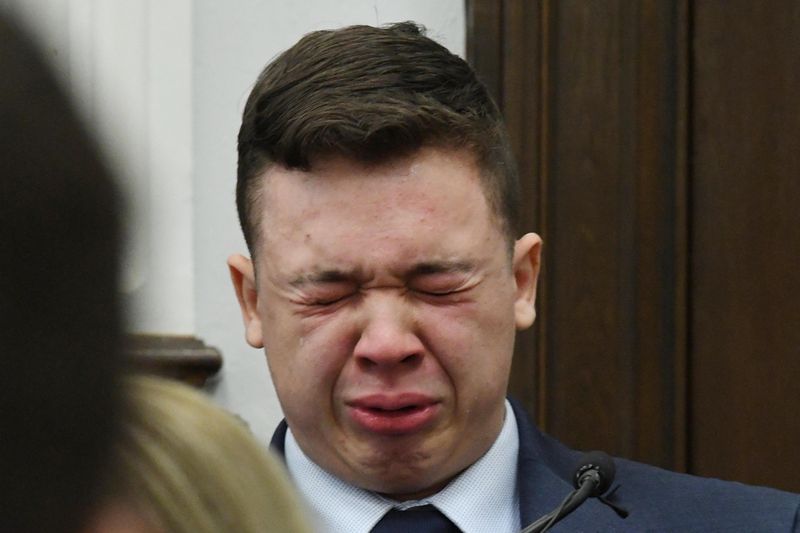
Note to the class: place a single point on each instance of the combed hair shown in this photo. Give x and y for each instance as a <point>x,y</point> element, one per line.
<point>370,95</point>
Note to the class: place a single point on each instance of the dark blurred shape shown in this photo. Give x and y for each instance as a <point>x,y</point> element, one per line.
<point>60,317</point>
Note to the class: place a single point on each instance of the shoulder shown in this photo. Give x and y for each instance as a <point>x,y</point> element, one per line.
<point>656,499</point>
<point>691,503</point>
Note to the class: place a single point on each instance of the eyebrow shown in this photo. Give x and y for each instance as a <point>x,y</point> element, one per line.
<point>440,267</point>
<point>323,276</point>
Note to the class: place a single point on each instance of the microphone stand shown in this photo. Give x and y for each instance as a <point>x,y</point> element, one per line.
<point>569,504</point>
<point>593,476</point>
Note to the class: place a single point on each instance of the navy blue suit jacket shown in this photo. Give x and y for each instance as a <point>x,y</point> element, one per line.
<point>657,500</point>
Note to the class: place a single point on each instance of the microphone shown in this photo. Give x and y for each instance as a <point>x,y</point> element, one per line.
<point>596,468</point>
<point>592,477</point>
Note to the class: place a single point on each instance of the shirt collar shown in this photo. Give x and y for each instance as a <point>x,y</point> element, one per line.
<point>482,498</point>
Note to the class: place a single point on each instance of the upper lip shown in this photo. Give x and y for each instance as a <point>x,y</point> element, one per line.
<point>391,402</point>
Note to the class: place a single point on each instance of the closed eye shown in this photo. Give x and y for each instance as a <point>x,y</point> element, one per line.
<point>325,295</point>
<point>442,284</point>
<point>322,302</point>
<point>438,292</point>
<point>324,288</point>
<point>443,296</point>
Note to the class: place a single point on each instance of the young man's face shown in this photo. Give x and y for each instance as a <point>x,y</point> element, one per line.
<point>387,306</point>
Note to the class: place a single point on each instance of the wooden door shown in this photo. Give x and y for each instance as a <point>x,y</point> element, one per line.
<point>659,147</point>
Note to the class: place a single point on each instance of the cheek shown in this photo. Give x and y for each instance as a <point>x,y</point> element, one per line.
<point>481,322</point>
<point>448,333</point>
<point>472,344</point>
<point>306,359</point>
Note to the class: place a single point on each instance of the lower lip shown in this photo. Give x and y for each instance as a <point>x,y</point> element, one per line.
<point>397,422</point>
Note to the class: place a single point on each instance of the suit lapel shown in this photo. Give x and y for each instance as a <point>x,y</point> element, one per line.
<point>278,442</point>
<point>543,480</point>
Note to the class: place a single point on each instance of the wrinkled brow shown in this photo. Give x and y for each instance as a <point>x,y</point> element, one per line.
<point>342,276</point>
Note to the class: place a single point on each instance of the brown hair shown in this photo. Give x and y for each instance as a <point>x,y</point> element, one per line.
<point>370,94</point>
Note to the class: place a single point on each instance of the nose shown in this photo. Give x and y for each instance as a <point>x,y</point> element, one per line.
<point>388,336</point>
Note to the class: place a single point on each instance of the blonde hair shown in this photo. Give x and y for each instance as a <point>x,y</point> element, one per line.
<point>192,467</point>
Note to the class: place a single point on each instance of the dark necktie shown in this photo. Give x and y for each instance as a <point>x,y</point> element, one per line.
<point>422,519</point>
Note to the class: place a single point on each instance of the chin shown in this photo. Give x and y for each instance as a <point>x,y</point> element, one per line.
<point>401,477</point>
<point>410,490</point>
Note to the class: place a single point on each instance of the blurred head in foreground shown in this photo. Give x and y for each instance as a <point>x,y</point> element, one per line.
<point>59,310</point>
<point>185,465</point>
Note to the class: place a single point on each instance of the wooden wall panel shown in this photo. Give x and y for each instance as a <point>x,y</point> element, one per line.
<point>659,148</point>
<point>746,242</point>
<point>523,94</point>
<point>596,128</point>
<point>588,245</point>
<point>501,37</point>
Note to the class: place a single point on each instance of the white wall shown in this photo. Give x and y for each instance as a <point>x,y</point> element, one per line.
<point>163,83</point>
<point>231,46</point>
<point>127,65</point>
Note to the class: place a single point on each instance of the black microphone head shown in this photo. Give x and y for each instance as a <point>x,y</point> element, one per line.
<point>595,465</point>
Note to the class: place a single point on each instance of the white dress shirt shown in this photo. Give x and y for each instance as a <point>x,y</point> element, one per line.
<point>482,499</point>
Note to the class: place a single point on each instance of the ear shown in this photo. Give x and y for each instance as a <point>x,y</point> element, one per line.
<point>526,262</point>
<point>244,283</point>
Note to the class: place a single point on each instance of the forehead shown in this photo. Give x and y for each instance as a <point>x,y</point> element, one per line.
<point>430,180</point>
<point>432,196</point>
